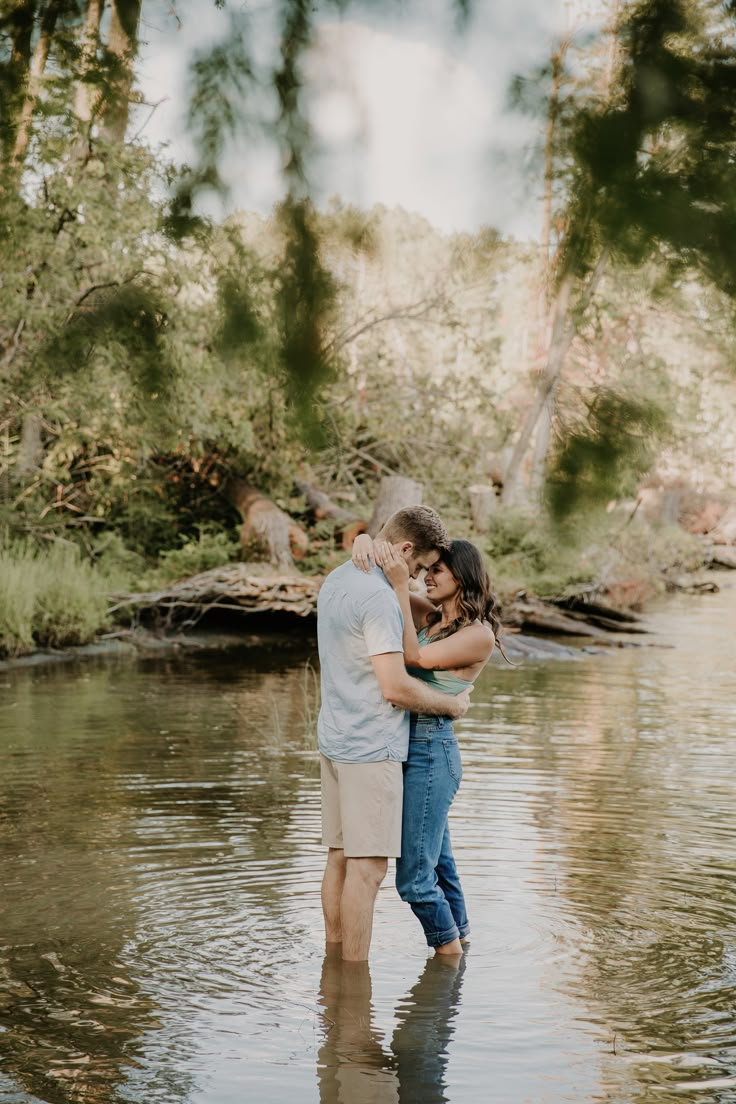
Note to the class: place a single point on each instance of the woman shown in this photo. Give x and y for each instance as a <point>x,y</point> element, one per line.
<point>448,639</point>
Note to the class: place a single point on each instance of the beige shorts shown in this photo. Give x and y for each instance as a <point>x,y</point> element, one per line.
<point>361,807</point>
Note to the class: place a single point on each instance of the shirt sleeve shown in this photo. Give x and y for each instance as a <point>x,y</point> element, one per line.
<point>383,625</point>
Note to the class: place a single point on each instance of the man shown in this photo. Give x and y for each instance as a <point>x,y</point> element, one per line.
<point>363,725</point>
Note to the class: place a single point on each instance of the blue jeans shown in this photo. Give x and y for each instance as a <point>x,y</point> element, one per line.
<point>426,875</point>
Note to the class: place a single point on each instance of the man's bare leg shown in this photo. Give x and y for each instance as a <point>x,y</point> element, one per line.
<point>332,887</point>
<point>362,880</point>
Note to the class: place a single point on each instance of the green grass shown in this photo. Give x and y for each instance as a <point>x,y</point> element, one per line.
<point>49,597</point>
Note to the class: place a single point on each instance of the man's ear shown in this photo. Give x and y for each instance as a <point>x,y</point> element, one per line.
<point>406,547</point>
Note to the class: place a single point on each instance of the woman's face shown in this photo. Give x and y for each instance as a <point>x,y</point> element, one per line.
<point>441,584</point>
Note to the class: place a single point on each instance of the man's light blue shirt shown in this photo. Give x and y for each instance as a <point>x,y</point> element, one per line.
<point>358,616</point>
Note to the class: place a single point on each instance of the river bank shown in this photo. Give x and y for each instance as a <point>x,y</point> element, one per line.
<point>55,606</point>
<point>534,630</point>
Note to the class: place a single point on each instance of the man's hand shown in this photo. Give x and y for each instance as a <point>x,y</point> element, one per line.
<point>461,702</point>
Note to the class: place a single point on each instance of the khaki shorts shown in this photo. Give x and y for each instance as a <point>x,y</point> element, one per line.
<point>361,807</point>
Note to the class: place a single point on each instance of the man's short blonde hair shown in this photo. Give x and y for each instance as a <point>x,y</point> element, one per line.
<point>419,524</point>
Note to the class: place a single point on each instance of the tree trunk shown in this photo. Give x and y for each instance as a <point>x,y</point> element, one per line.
<point>36,71</point>
<point>482,506</point>
<point>565,314</point>
<point>558,346</point>
<point>557,62</point>
<point>266,529</point>
<point>348,525</point>
<point>394,493</point>
<point>541,449</point>
<point>564,328</point>
<point>122,44</point>
<point>30,451</point>
<point>86,96</point>
<point>19,28</point>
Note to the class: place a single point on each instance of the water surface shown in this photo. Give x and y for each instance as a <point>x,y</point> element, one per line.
<point>159,882</point>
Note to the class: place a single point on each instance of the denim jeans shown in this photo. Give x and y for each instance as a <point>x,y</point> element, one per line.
<point>426,875</point>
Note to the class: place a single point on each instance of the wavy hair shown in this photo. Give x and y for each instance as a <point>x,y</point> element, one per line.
<point>476,600</point>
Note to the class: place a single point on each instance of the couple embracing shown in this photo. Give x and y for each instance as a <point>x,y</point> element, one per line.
<point>396,669</point>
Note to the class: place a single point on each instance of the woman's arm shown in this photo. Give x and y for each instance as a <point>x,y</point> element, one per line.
<point>362,553</point>
<point>469,645</point>
<point>396,571</point>
<point>366,554</point>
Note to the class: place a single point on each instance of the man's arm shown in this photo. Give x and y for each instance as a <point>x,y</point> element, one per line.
<point>406,692</point>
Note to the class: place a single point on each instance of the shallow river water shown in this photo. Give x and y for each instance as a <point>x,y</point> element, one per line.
<point>159,885</point>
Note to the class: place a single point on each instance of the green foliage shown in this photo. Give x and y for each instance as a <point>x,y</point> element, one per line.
<point>148,354</point>
<point>658,159</point>
<point>49,597</point>
<point>210,548</point>
<point>528,552</point>
<point>133,318</point>
<point>604,457</point>
<point>306,305</point>
<point>654,551</point>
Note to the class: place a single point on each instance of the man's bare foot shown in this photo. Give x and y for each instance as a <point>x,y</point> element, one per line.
<point>454,948</point>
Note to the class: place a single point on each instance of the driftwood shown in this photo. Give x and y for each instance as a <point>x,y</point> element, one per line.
<point>530,613</point>
<point>266,526</point>
<point>483,503</point>
<point>394,493</point>
<point>346,523</point>
<point>236,588</point>
<point>723,556</point>
<point>603,617</point>
<point>725,530</point>
<point>688,584</point>
<point>245,589</point>
<point>569,617</point>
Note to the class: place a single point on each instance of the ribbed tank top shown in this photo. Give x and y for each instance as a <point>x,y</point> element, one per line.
<point>444,681</point>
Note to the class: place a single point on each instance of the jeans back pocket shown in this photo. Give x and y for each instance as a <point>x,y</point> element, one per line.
<point>454,762</point>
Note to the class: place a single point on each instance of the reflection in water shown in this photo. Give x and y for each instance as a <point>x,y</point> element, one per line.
<point>353,1064</point>
<point>422,1036</point>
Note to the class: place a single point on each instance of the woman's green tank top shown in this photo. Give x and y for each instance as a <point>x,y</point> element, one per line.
<point>444,681</point>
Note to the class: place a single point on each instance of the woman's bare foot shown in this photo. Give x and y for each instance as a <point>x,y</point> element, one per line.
<point>454,948</point>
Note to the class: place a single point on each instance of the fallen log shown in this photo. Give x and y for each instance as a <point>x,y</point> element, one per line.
<point>245,588</point>
<point>609,623</point>
<point>236,587</point>
<point>595,609</point>
<point>266,527</point>
<point>535,615</point>
<point>725,530</point>
<point>687,584</point>
<point>723,556</point>
<point>602,616</point>
<point>346,523</point>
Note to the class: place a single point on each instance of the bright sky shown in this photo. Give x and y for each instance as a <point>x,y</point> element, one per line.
<point>407,111</point>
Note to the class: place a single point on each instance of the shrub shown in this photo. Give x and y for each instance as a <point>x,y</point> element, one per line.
<point>48,597</point>
<point>527,552</point>
<point>211,548</point>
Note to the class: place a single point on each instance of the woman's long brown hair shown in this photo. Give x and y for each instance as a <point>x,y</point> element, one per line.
<point>476,599</point>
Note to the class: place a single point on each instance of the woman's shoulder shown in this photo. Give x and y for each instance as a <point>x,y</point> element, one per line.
<point>482,632</point>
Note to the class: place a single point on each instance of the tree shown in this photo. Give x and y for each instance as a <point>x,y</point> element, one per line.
<point>571,271</point>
